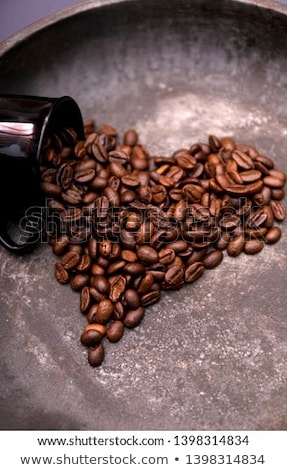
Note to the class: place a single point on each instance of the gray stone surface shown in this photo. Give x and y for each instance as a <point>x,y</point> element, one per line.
<point>213,355</point>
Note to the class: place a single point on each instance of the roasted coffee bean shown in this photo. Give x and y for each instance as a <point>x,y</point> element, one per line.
<point>131,299</point>
<point>130,137</point>
<point>252,247</point>
<point>193,272</point>
<point>128,225</point>
<point>78,281</point>
<point>269,216</point>
<point>84,264</point>
<point>129,256</point>
<point>277,194</point>
<point>243,160</point>
<point>279,210</point>
<point>61,274</point>
<point>166,256</point>
<point>229,222</point>
<point>91,337</point>
<point>117,156</point>
<point>104,311</point>
<point>257,219</point>
<point>91,315</point>
<point>92,248</point>
<point>145,283</point>
<point>96,355</point>
<point>60,245</point>
<point>115,331</point>
<point>147,254</point>
<point>134,317</point>
<point>70,260</point>
<point>273,235</point>
<point>85,299</point>
<point>273,182</point>
<point>101,283</point>
<point>134,269</point>
<point>51,189</point>
<point>249,176</point>
<point>150,298</point>
<point>212,259</point>
<point>258,233</point>
<point>174,275</point>
<point>117,288</point>
<point>71,196</point>
<point>236,245</point>
<point>112,195</point>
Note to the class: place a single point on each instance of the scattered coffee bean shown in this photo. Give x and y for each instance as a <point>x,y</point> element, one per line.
<point>127,225</point>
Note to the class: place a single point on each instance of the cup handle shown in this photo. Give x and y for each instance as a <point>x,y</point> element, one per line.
<point>19,248</point>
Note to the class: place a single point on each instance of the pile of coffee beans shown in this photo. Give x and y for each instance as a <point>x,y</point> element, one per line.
<point>127,225</point>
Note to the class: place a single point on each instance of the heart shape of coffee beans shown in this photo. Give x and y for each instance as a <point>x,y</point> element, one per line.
<point>128,225</point>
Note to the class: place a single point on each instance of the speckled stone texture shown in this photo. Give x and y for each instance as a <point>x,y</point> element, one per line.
<point>212,355</point>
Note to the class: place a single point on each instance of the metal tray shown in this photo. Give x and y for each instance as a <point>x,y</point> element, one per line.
<point>212,355</point>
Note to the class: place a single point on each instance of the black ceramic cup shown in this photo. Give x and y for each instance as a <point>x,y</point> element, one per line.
<point>25,122</point>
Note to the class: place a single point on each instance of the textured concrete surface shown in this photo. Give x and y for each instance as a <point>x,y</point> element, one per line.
<point>213,355</point>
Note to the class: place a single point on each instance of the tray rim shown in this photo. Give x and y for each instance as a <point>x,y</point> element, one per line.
<point>24,33</point>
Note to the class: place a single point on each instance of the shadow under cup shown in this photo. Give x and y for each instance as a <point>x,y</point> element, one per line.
<point>26,122</point>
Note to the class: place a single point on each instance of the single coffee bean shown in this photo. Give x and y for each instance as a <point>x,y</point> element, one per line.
<point>147,254</point>
<point>257,219</point>
<point>91,337</point>
<point>212,259</point>
<point>96,355</point>
<point>258,233</point>
<point>97,270</point>
<point>193,272</point>
<point>279,210</point>
<point>229,222</point>
<point>277,194</point>
<point>101,283</point>
<point>92,248</point>
<point>60,245</point>
<point>116,267</point>
<point>79,281</point>
<point>130,137</point>
<point>61,274</point>
<point>166,255</point>
<point>145,283</point>
<point>252,247</point>
<point>273,182</point>
<point>273,235</point>
<point>119,311</point>
<point>70,260</point>
<point>85,299</point>
<point>243,160</point>
<point>174,275</point>
<point>84,264</point>
<point>134,317</point>
<point>150,298</point>
<point>236,245</point>
<point>51,189</point>
<point>117,288</point>
<point>104,311</point>
<point>270,216</point>
<point>131,299</point>
<point>249,176</point>
<point>115,331</point>
<point>134,269</point>
<point>71,197</point>
<point>129,256</point>
<point>83,176</point>
<point>223,240</point>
